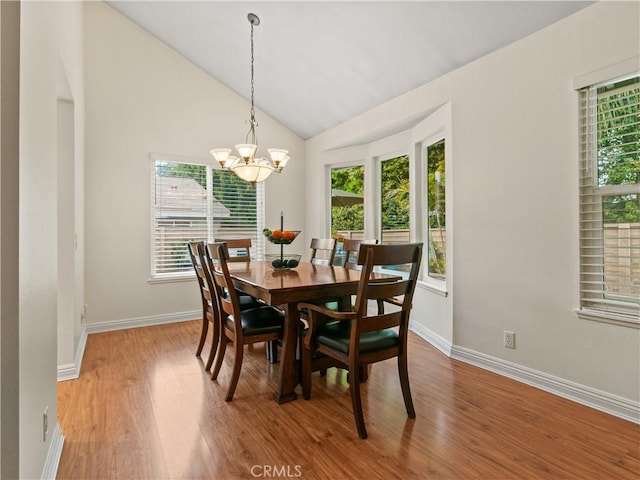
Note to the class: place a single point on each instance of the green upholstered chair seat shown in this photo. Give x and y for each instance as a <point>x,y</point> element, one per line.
<point>336,336</point>
<point>332,306</point>
<point>261,320</point>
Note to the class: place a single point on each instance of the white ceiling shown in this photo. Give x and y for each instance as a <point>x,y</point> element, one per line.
<point>319,63</point>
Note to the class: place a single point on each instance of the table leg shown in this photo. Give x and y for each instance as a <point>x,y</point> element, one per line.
<point>288,379</point>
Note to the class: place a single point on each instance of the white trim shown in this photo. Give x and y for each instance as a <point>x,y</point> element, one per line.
<point>71,371</point>
<point>591,397</point>
<point>123,324</point>
<point>434,339</point>
<point>607,73</point>
<point>167,157</point>
<point>608,317</point>
<point>51,463</point>
<point>433,287</point>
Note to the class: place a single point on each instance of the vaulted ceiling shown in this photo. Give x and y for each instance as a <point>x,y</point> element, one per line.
<point>319,63</point>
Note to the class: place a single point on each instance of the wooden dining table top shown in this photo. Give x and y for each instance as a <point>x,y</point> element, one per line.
<point>303,283</point>
<point>285,289</point>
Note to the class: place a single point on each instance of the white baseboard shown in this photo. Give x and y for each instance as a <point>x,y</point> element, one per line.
<point>54,454</point>
<point>71,371</point>
<point>136,322</point>
<point>434,339</point>
<point>591,397</point>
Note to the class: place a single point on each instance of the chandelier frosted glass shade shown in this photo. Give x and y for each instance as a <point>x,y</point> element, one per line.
<point>248,167</point>
<point>256,171</point>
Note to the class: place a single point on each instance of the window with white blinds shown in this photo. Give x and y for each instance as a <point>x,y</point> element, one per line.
<point>610,199</point>
<point>192,202</point>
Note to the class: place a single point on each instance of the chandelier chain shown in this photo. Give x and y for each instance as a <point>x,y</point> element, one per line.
<point>252,128</point>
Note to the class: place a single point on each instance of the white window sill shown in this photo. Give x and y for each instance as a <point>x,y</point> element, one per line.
<point>608,317</point>
<point>438,289</point>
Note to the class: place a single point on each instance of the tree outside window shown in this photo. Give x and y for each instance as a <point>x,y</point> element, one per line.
<point>436,213</point>
<point>394,188</point>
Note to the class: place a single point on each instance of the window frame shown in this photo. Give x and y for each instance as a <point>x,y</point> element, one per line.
<point>435,127</point>
<point>590,192</point>
<point>424,200</point>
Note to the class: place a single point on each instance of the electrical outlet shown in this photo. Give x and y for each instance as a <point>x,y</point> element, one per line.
<point>509,339</point>
<point>45,424</point>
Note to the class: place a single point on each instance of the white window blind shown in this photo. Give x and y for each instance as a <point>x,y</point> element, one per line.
<point>610,198</point>
<point>195,202</point>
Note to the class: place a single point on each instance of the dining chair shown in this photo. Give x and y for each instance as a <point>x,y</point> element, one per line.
<point>240,251</point>
<point>240,327</point>
<point>192,247</point>
<point>323,251</point>
<point>351,248</point>
<point>210,305</point>
<point>357,339</point>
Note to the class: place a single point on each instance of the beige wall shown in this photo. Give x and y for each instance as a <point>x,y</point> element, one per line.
<point>513,214</point>
<point>51,35</point>
<point>142,97</point>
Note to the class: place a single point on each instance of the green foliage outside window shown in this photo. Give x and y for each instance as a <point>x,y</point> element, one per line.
<point>348,218</point>
<point>436,210</point>
<point>618,156</point>
<point>395,193</point>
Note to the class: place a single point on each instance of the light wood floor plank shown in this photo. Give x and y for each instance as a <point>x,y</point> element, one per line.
<point>143,407</point>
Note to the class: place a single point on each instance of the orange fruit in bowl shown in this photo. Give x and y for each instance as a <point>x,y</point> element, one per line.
<point>288,235</point>
<point>276,234</point>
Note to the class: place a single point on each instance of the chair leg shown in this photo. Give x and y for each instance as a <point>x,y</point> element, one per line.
<point>235,375</point>
<point>272,351</point>
<point>404,384</point>
<point>356,401</point>
<point>215,340</point>
<point>222,348</point>
<point>203,333</point>
<point>306,372</point>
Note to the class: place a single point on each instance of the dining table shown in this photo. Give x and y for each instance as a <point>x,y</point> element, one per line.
<point>285,288</point>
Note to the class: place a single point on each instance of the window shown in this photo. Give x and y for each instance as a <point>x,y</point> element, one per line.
<point>394,201</point>
<point>347,202</point>
<point>610,199</point>
<point>192,202</point>
<point>436,212</point>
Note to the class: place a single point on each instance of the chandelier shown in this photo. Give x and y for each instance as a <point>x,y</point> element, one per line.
<point>246,164</point>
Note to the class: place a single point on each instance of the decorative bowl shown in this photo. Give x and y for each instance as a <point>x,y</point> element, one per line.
<point>282,262</point>
<point>280,237</point>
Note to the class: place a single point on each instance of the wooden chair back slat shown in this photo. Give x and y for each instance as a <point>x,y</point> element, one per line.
<point>351,249</point>
<point>323,251</point>
<point>227,297</point>
<point>239,249</point>
<point>380,322</point>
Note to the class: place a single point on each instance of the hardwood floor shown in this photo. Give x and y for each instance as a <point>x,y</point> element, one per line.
<point>143,408</point>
